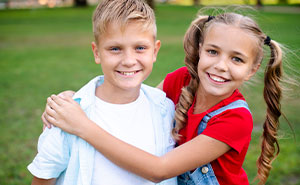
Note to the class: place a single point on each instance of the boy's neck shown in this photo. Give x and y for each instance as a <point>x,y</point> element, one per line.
<point>118,96</point>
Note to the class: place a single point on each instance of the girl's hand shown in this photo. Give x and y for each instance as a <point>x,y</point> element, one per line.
<point>63,94</point>
<point>65,113</point>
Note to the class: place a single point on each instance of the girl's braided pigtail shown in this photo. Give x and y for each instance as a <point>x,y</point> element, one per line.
<point>272,95</point>
<point>192,39</point>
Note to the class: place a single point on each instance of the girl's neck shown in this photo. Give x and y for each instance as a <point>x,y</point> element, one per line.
<point>205,101</point>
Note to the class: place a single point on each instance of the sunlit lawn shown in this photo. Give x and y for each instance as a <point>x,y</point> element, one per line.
<point>45,51</point>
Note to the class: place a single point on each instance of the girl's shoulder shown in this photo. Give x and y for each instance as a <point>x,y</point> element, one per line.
<point>174,82</point>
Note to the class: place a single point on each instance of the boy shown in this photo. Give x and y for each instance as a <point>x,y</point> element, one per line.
<point>125,46</point>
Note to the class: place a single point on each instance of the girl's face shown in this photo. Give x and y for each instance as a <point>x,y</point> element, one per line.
<point>226,60</point>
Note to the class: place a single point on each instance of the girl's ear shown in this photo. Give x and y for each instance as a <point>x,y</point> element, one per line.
<point>96,53</point>
<point>253,71</point>
<point>200,46</point>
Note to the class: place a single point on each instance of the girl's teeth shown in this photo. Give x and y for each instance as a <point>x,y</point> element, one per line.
<point>217,79</point>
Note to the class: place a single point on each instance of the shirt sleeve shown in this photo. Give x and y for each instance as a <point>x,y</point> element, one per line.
<point>169,123</point>
<point>53,154</point>
<point>232,127</point>
<point>174,82</point>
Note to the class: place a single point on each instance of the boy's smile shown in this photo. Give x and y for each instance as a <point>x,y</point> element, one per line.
<point>225,62</point>
<point>126,56</point>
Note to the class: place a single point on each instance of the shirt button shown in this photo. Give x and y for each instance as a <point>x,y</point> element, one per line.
<point>204,170</point>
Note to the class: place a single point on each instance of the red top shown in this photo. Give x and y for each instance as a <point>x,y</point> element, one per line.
<point>232,127</point>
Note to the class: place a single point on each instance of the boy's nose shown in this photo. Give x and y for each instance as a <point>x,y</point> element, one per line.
<point>129,59</point>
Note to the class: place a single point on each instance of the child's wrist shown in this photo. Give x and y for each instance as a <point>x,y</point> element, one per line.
<point>85,129</point>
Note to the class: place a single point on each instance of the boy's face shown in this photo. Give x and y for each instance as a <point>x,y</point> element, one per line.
<point>126,56</point>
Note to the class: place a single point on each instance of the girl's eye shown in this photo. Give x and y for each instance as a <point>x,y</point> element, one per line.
<point>212,52</point>
<point>237,59</point>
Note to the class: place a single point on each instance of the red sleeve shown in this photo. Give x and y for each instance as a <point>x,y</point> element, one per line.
<point>174,82</point>
<point>232,127</point>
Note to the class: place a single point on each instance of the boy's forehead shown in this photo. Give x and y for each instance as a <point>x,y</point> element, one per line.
<point>141,26</point>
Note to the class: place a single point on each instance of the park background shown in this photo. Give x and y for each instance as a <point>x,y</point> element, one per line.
<point>47,50</point>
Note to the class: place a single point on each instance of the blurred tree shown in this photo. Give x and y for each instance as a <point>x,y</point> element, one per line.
<point>151,3</point>
<point>246,2</point>
<point>283,2</point>
<point>80,3</point>
<point>259,3</point>
<point>196,2</point>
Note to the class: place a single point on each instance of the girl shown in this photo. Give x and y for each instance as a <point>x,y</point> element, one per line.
<point>213,123</point>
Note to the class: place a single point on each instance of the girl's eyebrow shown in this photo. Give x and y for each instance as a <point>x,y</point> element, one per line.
<point>240,54</point>
<point>213,45</point>
<point>234,52</point>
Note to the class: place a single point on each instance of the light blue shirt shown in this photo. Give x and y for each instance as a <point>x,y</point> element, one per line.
<point>70,159</point>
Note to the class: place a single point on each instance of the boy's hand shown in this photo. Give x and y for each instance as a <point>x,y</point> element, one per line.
<point>63,95</point>
<point>65,113</point>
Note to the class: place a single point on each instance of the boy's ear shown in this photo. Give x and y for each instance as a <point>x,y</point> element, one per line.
<point>96,53</point>
<point>156,49</point>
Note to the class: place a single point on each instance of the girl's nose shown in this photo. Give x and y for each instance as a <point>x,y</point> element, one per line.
<point>222,64</point>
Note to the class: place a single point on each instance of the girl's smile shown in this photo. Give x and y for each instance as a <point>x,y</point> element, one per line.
<point>217,79</point>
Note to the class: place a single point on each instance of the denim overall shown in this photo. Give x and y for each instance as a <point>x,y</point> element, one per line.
<point>204,175</point>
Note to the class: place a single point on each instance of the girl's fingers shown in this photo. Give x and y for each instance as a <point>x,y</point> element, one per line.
<point>66,94</point>
<point>51,103</point>
<point>50,111</point>
<point>71,100</point>
<point>59,101</point>
<point>46,123</point>
<point>50,119</point>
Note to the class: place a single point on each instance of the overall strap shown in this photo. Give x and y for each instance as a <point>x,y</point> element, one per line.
<point>233,105</point>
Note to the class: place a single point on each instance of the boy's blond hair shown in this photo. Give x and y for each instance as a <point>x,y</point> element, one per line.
<point>122,12</point>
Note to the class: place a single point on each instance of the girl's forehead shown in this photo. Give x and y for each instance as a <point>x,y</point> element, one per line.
<point>231,38</point>
<point>229,33</point>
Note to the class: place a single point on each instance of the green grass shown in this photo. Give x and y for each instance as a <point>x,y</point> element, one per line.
<point>45,51</point>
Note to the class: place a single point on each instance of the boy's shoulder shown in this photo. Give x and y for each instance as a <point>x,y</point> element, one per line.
<point>155,94</point>
<point>86,93</point>
<point>158,97</point>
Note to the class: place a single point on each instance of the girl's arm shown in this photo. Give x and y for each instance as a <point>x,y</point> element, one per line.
<point>38,181</point>
<point>67,93</point>
<point>67,114</point>
<point>70,93</point>
<point>160,85</point>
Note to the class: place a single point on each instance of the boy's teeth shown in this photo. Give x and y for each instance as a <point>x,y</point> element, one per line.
<point>217,79</point>
<point>128,73</point>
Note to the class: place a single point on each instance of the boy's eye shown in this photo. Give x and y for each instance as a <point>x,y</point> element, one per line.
<point>237,59</point>
<point>140,48</point>
<point>114,49</point>
<point>212,52</point>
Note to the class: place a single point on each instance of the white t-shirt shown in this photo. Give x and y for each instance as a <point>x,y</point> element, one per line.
<point>131,123</point>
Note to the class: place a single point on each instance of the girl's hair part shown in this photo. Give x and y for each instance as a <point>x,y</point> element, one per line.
<point>194,37</point>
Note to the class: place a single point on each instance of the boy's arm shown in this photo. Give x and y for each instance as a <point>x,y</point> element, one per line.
<point>38,181</point>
